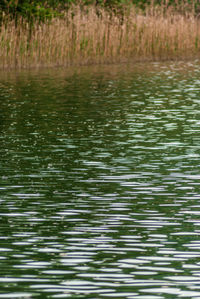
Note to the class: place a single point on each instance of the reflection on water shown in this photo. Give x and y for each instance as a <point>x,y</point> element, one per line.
<point>99,183</point>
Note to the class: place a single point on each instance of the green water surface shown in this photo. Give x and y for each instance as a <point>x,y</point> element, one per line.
<point>100,182</point>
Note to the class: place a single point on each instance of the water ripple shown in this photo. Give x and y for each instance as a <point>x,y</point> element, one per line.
<point>99,183</point>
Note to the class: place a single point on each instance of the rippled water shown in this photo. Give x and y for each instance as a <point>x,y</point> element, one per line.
<point>100,182</point>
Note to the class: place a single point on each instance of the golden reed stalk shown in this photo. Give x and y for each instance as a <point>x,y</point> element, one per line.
<point>85,37</point>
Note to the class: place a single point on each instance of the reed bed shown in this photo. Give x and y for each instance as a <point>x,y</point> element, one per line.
<point>83,36</point>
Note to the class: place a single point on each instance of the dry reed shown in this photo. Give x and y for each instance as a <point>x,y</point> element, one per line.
<point>85,37</point>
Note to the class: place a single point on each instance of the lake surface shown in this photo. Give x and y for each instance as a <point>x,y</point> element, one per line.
<point>100,182</point>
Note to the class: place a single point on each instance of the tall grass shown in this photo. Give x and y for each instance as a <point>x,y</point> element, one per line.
<point>83,36</point>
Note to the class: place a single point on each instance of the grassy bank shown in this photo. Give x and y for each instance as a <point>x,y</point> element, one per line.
<point>83,36</point>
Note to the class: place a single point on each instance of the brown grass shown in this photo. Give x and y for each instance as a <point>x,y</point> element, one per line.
<point>83,37</point>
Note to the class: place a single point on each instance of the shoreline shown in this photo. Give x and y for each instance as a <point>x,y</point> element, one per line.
<point>74,66</point>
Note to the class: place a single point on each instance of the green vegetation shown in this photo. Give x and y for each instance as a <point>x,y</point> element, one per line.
<point>47,9</point>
